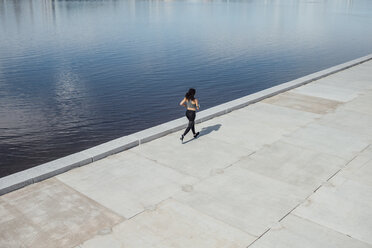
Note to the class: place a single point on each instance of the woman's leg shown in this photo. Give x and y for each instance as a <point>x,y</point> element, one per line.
<point>193,127</point>
<point>191,117</point>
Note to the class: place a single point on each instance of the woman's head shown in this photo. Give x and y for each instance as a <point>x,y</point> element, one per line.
<point>190,94</point>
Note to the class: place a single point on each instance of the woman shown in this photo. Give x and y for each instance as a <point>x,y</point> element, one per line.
<point>191,103</point>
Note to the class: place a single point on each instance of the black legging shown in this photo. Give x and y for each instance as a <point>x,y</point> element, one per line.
<point>191,116</point>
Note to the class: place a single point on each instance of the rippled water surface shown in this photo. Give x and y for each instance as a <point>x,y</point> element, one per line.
<point>74,74</point>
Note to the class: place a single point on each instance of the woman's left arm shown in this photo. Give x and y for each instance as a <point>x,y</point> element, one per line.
<point>182,103</point>
<point>197,103</point>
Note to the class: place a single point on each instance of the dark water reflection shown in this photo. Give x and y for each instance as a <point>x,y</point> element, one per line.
<point>74,74</point>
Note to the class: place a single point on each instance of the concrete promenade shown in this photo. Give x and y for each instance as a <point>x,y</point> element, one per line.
<point>290,171</point>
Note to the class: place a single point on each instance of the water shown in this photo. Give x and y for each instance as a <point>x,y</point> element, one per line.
<point>74,74</point>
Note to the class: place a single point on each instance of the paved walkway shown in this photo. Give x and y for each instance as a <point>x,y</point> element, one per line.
<point>294,170</point>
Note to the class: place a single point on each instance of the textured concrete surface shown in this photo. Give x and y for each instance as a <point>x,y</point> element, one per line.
<point>345,203</point>
<point>294,170</point>
<point>303,102</point>
<point>243,199</point>
<point>172,224</point>
<point>51,214</point>
<point>293,165</point>
<point>126,183</point>
<point>294,231</point>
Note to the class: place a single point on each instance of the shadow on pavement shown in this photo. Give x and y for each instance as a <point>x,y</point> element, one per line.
<point>208,130</point>
<point>205,131</point>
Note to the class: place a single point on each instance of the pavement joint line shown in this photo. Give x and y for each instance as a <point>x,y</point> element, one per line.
<point>311,194</point>
<point>320,186</point>
<point>317,188</point>
<point>306,198</point>
<point>146,157</point>
<point>334,174</point>
<point>222,221</point>
<point>136,215</point>
<point>330,228</point>
<point>53,168</point>
<point>357,155</point>
<point>365,148</point>
<point>302,202</point>
<point>259,237</point>
<point>240,159</point>
<point>156,205</point>
<point>291,210</point>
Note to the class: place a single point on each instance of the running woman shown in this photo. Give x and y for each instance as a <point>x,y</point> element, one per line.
<point>191,104</point>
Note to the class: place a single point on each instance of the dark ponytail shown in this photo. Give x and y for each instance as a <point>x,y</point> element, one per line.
<point>190,94</point>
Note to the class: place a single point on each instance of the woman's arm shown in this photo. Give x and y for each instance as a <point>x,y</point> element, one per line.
<point>197,103</point>
<point>182,103</point>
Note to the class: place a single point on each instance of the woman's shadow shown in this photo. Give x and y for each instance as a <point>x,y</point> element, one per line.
<point>206,130</point>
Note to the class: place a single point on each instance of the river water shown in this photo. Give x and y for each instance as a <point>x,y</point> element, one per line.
<point>74,74</point>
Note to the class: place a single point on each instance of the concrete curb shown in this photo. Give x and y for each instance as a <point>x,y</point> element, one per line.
<point>53,168</point>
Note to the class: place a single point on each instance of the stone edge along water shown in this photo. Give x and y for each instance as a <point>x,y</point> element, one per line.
<point>58,166</point>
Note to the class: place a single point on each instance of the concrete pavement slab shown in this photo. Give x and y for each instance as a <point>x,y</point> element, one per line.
<point>170,225</point>
<point>361,175</point>
<point>295,232</point>
<point>301,167</point>
<point>342,205</point>
<point>245,200</point>
<point>198,158</point>
<point>361,104</point>
<point>360,168</point>
<point>335,93</point>
<point>303,102</point>
<point>361,73</point>
<point>327,140</point>
<point>349,121</point>
<point>276,116</point>
<point>50,214</point>
<point>342,83</point>
<point>126,183</point>
<point>256,134</point>
<point>357,78</point>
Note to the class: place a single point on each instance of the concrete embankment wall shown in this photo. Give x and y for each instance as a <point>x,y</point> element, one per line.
<point>50,169</point>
